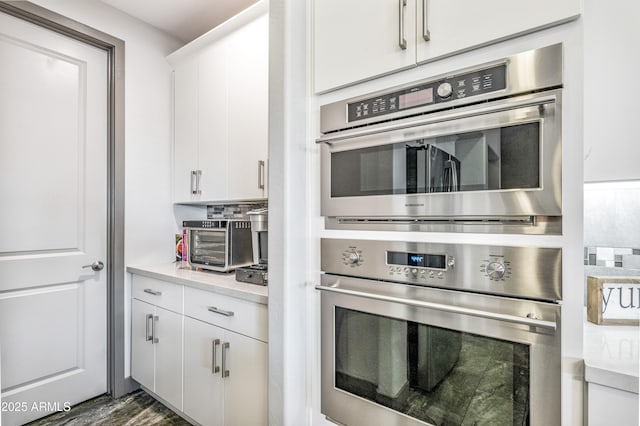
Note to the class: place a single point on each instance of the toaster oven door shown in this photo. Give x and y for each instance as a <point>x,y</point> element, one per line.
<point>208,248</point>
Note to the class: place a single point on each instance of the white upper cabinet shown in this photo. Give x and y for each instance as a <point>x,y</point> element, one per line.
<point>611,39</point>
<point>247,111</point>
<point>221,111</point>
<point>357,40</point>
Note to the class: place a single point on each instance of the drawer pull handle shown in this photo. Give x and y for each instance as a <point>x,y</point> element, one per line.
<point>154,292</point>
<point>214,368</point>
<point>220,311</point>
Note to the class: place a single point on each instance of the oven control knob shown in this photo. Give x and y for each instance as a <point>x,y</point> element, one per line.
<point>445,90</point>
<point>353,258</point>
<point>495,270</point>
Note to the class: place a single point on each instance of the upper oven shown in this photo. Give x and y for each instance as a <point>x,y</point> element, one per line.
<point>478,146</point>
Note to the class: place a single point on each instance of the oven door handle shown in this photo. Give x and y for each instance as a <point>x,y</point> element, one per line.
<point>530,320</point>
<point>539,102</point>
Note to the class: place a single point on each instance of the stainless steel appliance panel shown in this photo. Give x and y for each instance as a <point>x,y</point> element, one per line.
<point>526,272</point>
<point>219,245</point>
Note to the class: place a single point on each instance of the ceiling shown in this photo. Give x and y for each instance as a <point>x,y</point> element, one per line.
<point>183,19</point>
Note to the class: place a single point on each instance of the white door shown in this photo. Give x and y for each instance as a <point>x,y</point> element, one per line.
<point>53,192</point>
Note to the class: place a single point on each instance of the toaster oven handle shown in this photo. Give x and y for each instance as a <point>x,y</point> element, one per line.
<point>530,320</point>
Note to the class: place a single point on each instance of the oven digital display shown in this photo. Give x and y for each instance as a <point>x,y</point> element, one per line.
<point>423,260</point>
<point>419,97</point>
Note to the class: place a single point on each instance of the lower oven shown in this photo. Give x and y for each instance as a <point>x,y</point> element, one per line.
<point>400,351</point>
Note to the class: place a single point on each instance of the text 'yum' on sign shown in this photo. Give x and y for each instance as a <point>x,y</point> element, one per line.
<point>613,300</point>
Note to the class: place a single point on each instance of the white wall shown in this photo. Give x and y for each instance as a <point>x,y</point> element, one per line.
<point>149,222</point>
<point>288,217</point>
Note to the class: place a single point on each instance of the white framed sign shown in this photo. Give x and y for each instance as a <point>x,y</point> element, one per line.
<point>613,300</point>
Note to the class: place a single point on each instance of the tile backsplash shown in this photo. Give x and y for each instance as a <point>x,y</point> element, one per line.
<point>612,257</point>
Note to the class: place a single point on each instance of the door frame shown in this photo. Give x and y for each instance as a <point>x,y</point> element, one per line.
<point>117,384</point>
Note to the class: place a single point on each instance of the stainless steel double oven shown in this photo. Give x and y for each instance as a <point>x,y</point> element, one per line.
<point>420,333</point>
<point>477,146</point>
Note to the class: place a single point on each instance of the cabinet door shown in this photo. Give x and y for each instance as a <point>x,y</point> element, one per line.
<point>142,348</point>
<point>460,25</point>
<point>202,383</point>
<point>168,374</point>
<point>248,61</point>
<point>213,121</point>
<point>245,387</point>
<point>360,39</point>
<point>185,154</point>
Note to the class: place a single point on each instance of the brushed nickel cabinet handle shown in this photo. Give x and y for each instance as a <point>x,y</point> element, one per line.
<point>261,177</point>
<point>153,330</point>
<point>198,176</point>
<point>153,292</point>
<point>225,348</point>
<point>220,311</point>
<point>193,182</point>
<point>426,35</point>
<point>214,368</point>
<point>148,337</point>
<point>402,42</point>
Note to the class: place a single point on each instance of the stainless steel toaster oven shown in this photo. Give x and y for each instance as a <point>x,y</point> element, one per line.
<point>219,245</point>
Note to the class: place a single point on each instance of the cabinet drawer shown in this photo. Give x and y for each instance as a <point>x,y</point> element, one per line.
<point>157,292</point>
<point>234,314</point>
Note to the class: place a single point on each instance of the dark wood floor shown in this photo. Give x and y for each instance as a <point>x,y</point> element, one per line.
<point>135,409</point>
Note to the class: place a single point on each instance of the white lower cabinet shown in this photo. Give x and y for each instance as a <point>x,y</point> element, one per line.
<point>609,406</point>
<point>156,350</point>
<point>202,352</point>
<point>225,380</point>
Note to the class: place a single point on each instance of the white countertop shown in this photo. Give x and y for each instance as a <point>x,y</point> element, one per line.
<point>218,282</point>
<point>612,355</point>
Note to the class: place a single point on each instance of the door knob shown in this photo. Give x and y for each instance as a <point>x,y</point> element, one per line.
<point>96,266</point>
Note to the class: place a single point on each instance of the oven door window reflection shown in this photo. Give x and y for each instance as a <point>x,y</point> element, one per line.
<point>436,375</point>
<point>492,159</point>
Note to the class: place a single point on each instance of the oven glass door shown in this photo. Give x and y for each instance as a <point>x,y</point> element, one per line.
<point>208,247</point>
<point>434,374</point>
<point>484,161</point>
<point>444,357</point>
<point>506,157</point>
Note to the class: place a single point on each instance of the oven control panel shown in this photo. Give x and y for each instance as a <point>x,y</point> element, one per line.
<point>352,257</point>
<point>496,268</point>
<point>433,92</point>
<point>532,272</point>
